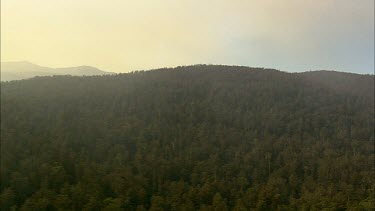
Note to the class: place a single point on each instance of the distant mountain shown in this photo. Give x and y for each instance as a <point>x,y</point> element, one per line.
<point>24,69</point>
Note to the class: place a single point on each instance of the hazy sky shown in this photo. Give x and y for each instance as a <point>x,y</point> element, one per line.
<point>125,35</point>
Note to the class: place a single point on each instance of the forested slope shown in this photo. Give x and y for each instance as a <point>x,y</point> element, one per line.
<point>189,138</point>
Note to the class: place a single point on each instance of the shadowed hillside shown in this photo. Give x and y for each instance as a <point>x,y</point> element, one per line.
<point>199,137</point>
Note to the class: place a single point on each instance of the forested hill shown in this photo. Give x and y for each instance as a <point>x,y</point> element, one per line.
<point>189,138</point>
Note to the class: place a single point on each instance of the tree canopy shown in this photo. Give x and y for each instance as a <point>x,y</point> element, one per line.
<point>203,137</point>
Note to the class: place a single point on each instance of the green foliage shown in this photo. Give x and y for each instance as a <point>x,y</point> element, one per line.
<point>190,138</point>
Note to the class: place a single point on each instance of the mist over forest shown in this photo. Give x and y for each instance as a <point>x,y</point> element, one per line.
<point>203,137</point>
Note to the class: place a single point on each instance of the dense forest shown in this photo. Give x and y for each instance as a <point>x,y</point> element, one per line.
<point>203,137</point>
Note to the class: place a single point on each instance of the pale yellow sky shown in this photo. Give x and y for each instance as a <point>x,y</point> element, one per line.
<point>125,35</point>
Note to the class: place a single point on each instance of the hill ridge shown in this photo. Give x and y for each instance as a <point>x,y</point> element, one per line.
<point>18,70</point>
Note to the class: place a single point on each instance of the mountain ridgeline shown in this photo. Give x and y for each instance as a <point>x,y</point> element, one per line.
<point>203,137</point>
<point>24,70</point>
